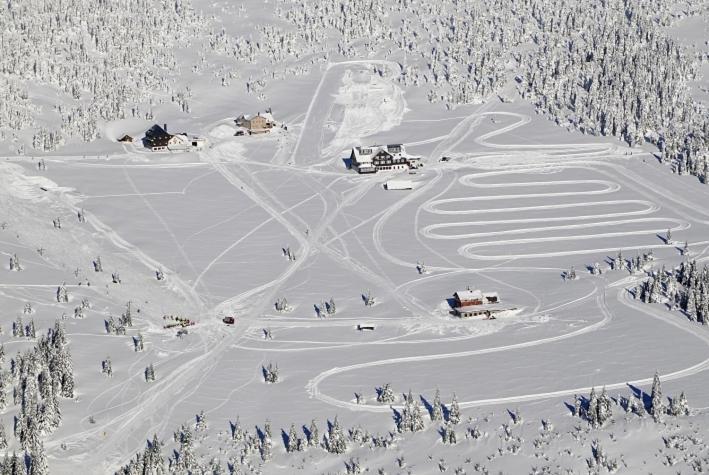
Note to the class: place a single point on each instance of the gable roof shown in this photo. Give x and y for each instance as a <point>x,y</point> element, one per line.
<point>469,294</point>
<point>156,131</point>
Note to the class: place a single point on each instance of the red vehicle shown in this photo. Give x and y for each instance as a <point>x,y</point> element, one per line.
<point>228,320</point>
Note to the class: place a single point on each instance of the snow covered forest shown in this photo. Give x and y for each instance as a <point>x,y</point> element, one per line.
<point>620,76</point>
<point>250,302</point>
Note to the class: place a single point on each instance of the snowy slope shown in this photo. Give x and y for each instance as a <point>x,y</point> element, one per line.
<point>521,202</point>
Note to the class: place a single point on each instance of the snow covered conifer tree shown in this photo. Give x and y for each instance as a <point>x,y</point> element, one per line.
<point>678,406</point>
<point>18,328</point>
<point>313,436</point>
<point>592,412</point>
<point>267,429</point>
<point>30,330</point>
<point>186,460</point>
<point>127,316</point>
<point>577,406</point>
<point>454,411</point>
<point>385,394</point>
<point>604,410</point>
<point>15,263</point>
<point>436,412</point>
<point>449,436</point>
<point>62,294</point>
<point>292,444</point>
<point>106,367</point>
<point>657,409</point>
<point>403,423</point>
<point>150,373</point>
<point>200,422</point>
<point>335,441</point>
<point>138,342</point>
<point>38,459</point>
<point>417,423</point>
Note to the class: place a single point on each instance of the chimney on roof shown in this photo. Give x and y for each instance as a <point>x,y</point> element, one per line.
<point>165,127</point>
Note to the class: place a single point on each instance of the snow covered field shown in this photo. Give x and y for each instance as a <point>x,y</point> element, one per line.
<point>520,203</point>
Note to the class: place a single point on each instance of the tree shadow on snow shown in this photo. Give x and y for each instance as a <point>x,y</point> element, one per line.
<point>306,431</point>
<point>396,416</point>
<point>427,405</point>
<point>285,438</point>
<point>643,396</point>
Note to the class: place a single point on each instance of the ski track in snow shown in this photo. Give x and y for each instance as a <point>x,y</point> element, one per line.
<point>186,378</point>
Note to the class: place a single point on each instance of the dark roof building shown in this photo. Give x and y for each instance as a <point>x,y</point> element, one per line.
<point>157,138</point>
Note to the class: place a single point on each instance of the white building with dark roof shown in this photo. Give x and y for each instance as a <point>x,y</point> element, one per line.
<point>473,303</point>
<point>375,158</point>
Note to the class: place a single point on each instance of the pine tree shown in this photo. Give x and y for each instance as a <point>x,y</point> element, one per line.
<point>38,464</point>
<point>592,413</point>
<point>237,433</point>
<point>154,463</point>
<point>454,411</point>
<point>200,422</point>
<point>656,409</point>
<point>417,423</point>
<point>187,459</point>
<point>436,412</point>
<point>335,441</point>
<point>577,406</point>
<point>604,409</point>
<point>3,436</point>
<point>292,445</point>
<point>679,406</point>
<point>138,344</point>
<point>150,373</point>
<point>386,395</point>
<point>313,436</point>
<point>449,436</point>
<point>3,390</point>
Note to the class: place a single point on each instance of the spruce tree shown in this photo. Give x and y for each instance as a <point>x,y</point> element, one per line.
<point>313,436</point>
<point>436,412</point>
<point>454,411</point>
<point>592,412</point>
<point>335,442</point>
<point>656,409</point>
<point>292,445</point>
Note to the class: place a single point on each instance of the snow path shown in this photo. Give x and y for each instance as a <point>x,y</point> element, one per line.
<point>326,237</point>
<point>313,385</point>
<point>314,124</point>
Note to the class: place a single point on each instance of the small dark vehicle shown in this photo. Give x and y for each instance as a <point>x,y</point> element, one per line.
<point>228,320</point>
